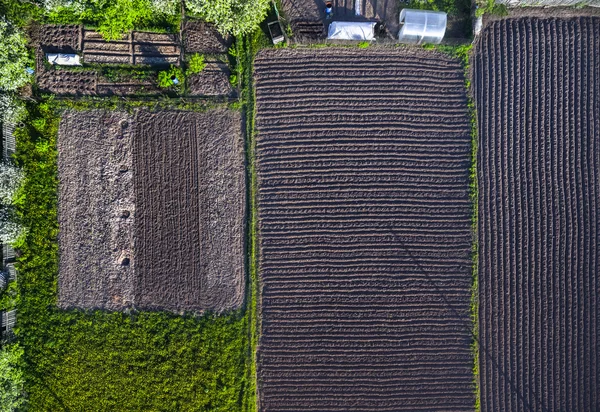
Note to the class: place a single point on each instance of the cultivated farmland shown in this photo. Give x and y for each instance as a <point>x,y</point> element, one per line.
<point>537,88</point>
<point>365,231</point>
<point>190,194</point>
<point>151,210</point>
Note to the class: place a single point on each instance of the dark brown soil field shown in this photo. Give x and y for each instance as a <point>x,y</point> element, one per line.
<point>537,86</point>
<point>212,81</point>
<point>151,211</point>
<point>364,220</point>
<point>201,37</point>
<point>190,193</point>
<point>63,38</point>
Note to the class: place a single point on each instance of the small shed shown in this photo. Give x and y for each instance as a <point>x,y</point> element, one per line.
<point>352,30</point>
<point>422,26</point>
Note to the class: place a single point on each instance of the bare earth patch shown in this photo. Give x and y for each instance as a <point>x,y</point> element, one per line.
<point>201,37</point>
<point>96,188</point>
<point>190,191</point>
<point>151,210</point>
<point>212,81</point>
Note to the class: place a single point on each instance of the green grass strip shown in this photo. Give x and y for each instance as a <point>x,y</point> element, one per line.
<point>463,53</point>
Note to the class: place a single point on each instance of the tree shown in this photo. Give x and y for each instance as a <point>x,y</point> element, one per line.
<point>237,17</point>
<point>11,108</point>
<point>165,6</point>
<point>11,378</point>
<point>14,57</point>
<point>10,180</point>
<point>10,227</point>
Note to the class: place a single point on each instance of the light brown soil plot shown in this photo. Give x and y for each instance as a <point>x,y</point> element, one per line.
<point>95,210</point>
<point>151,210</point>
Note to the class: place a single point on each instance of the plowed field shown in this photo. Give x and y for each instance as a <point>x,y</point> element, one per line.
<point>190,202</point>
<point>364,221</point>
<point>538,88</point>
<point>151,210</point>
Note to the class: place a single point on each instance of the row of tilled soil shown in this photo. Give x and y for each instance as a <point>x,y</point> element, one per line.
<point>537,90</point>
<point>190,194</point>
<point>364,218</point>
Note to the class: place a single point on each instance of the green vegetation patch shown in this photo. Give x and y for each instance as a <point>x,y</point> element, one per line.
<point>113,361</point>
<point>463,53</point>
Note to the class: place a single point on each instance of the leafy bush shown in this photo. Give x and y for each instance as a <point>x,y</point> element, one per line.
<point>14,57</point>
<point>115,17</point>
<point>11,378</point>
<point>196,64</point>
<point>165,77</point>
<point>452,7</point>
<point>237,17</point>
<point>122,17</point>
<point>493,8</point>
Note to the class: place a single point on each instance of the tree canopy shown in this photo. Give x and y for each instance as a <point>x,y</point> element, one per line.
<point>14,57</point>
<point>237,17</point>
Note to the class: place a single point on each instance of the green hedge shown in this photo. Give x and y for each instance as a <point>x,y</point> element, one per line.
<point>101,361</point>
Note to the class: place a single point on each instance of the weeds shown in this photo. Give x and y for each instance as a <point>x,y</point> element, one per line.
<point>493,8</point>
<point>195,65</point>
<point>172,78</point>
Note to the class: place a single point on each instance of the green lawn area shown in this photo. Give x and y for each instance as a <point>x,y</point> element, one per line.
<point>94,360</point>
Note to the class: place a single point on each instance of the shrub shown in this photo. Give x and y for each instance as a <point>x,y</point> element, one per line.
<point>237,17</point>
<point>14,57</point>
<point>114,17</point>
<point>122,17</point>
<point>493,8</point>
<point>196,64</point>
<point>165,77</point>
<point>363,44</point>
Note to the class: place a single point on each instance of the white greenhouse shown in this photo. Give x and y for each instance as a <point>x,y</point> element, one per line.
<point>422,26</point>
<point>351,30</point>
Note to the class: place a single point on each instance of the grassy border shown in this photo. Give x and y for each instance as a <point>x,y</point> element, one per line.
<point>463,54</point>
<point>474,197</point>
<point>246,49</point>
